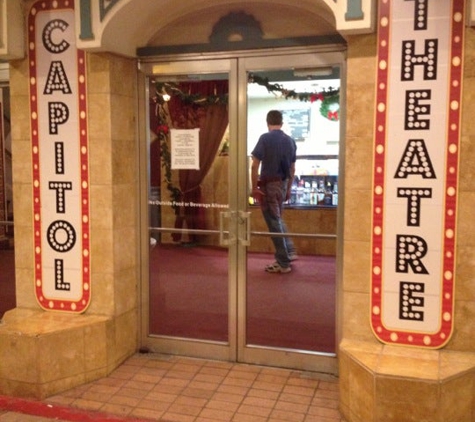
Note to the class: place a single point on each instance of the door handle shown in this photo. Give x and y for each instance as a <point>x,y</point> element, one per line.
<point>223,239</point>
<point>245,218</point>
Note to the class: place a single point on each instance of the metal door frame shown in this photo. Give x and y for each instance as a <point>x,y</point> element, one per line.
<point>236,65</point>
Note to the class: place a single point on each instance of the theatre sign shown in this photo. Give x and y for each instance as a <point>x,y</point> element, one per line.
<point>416,155</point>
<point>60,158</point>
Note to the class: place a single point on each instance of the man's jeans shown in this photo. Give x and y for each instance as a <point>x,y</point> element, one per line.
<point>271,206</point>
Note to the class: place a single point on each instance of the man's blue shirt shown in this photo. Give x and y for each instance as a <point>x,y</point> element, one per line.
<point>276,151</point>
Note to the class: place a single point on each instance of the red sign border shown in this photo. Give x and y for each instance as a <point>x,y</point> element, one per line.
<point>81,304</point>
<point>442,336</point>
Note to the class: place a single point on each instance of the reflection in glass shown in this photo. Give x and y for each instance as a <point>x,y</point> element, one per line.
<point>296,310</point>
<point>188,267</point>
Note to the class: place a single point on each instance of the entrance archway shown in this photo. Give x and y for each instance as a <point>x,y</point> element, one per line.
<point>231,38</point>
<point>168,23</point>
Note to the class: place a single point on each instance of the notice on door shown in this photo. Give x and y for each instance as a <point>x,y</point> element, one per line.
<point>185,154</point>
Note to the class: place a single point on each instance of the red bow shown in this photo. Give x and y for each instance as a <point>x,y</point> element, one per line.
<point>316,97</point>
<point>332,115</point>
<point>162,128</point>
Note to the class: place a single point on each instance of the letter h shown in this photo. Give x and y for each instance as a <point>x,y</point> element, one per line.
<point>428,60</point>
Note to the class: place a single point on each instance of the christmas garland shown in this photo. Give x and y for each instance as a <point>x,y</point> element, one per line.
<point>168,88</point>
<point>162,131</point>
<point>330,98</point>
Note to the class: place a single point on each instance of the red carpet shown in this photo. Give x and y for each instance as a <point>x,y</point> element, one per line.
<point>189,297</point>
<point>189,289</point>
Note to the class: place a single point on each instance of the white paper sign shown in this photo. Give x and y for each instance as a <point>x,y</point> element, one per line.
<point>185,149</point>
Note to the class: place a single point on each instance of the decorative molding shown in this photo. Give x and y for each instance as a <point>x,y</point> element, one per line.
<point>105,6</point>
<point>354,16</point>
<point>85,20</point>
<point>95,18</point>
<point>11,30</point>
<point>236,24</point>
<point>354,10</point>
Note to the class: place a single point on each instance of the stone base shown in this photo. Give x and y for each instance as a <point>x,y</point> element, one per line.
<point>382,383</point>
<point>43,353</point>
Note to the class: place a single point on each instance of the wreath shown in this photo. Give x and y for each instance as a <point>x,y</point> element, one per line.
<point>330,107</point>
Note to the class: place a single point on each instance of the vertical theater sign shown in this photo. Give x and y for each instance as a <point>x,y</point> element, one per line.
<point>60,158</point>
<point>416,155</point>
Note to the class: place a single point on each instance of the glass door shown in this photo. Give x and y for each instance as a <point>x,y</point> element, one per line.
<point>290,317</point>
<point>190,294</point>
<point>207,293</point>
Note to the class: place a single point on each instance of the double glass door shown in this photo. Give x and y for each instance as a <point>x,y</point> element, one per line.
<point>205,289</point>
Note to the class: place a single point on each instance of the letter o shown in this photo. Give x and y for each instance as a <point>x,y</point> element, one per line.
<point>61,236</point>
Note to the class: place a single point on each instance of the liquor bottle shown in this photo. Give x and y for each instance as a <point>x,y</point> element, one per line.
<point>335,194</point>
<point>293,193</point>
<point>313,193</point>
<point>306,193</point>
<point>300,192</point>
<point>320,192</point>
<point>328,199</point>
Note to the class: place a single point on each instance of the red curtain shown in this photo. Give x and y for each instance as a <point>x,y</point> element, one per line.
<point>212,120</point>
<point>155,167</point>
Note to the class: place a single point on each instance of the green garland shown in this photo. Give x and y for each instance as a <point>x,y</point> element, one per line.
<point>162,131</point>
<point>197,99</point>
<point>330,98</point>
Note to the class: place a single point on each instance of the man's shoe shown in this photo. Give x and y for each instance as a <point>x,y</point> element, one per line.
<point>276,268</point>
<point>293,256</point>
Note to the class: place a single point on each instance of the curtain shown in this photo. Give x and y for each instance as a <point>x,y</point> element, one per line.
<point>212,120</point>
<point>155,167</point>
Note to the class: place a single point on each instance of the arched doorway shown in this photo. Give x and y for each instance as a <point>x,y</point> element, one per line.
<point>204,291</point>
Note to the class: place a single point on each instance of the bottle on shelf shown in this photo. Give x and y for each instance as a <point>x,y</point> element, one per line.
<point>328,198</point>
<point>320,192</point>
<point>300,190</point>
<point>306,193</point>
<point>313,193</point>
<point>335,194</point>
<point>293,193</point>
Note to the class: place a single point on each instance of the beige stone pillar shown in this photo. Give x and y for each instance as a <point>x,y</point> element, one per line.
<point>43,352</point>
<point>384,383</point>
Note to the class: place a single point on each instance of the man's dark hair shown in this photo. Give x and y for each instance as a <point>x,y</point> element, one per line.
<point>274,118</point>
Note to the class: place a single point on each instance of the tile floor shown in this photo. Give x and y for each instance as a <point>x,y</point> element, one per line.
<point>179,389</point>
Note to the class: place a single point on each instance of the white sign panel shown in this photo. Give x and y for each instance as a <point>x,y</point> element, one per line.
<point>60,158</point>
<point>185,149</point>
<point>416,157</point>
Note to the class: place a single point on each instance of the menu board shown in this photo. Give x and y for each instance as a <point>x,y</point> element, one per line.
<point>297,123</point>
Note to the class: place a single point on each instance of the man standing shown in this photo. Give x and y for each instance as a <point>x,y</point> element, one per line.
<point>275,154</point>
